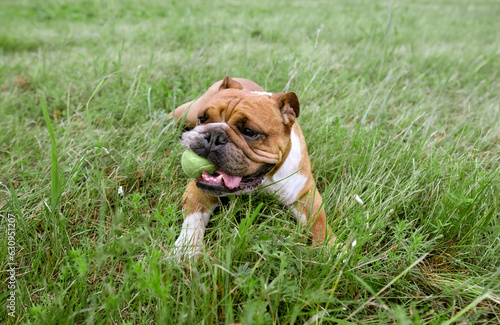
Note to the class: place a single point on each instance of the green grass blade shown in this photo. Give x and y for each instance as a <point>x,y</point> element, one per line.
<point>55,182</point>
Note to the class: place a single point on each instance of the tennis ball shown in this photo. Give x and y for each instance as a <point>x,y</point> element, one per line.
<point>194,165</point>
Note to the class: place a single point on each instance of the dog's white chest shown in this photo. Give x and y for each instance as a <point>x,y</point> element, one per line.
<point>287,182</point>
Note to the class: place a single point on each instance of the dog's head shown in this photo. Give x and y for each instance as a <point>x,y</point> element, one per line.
<point>245,134</point>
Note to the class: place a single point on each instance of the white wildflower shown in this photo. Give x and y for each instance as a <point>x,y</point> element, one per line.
<point>358,199</point>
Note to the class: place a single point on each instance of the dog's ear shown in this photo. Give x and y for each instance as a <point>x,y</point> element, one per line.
<point>289,106</point>
<point>230,83</point>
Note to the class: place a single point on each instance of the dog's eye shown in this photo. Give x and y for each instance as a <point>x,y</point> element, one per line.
<point>249,133</point>
<point>202,120</point>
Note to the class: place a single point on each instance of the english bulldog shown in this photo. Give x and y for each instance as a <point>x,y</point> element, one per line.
<point>254,140</point>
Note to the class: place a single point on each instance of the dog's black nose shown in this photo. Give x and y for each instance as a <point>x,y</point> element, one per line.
<point>215,138</point>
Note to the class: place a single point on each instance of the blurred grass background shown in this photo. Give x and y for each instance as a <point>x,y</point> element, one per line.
<point>400,105</point>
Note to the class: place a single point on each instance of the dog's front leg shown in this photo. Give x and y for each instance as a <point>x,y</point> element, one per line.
<point>197,207</point>
<point>309,211</point>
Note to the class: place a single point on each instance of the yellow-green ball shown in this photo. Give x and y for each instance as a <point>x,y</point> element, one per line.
<point>194,165</point>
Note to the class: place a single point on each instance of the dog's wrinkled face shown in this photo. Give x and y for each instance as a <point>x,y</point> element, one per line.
<point>245,134</point>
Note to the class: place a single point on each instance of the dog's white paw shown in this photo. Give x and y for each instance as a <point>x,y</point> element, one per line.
<point>190,241</point>
<point>185,249</point>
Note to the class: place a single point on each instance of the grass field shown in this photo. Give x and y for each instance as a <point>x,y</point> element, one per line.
<point>400,105</point>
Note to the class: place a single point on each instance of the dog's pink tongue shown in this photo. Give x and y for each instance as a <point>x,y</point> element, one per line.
<point>229,180</point>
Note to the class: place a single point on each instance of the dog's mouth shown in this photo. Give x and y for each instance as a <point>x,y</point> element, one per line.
<point>222,182</point>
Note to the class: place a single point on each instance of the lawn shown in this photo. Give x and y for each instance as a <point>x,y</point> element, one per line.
<point>400,107</point>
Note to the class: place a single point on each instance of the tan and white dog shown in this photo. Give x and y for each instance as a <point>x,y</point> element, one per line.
<point>254,140</point>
